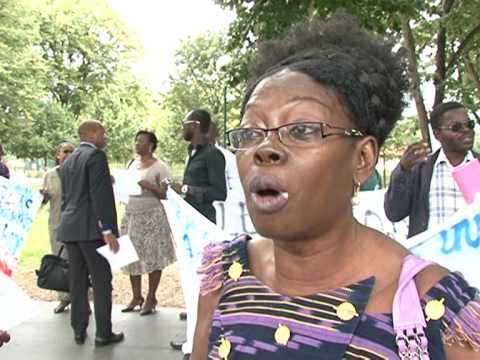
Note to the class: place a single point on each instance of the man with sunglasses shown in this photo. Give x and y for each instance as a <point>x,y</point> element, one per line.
<point>422,186</point>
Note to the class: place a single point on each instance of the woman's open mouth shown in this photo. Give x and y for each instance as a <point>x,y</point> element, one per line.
<point>268,194</point>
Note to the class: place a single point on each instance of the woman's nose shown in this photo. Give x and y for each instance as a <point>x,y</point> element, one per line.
<point>270,151</point>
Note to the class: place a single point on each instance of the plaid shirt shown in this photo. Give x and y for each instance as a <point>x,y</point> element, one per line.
<point>445,197</point>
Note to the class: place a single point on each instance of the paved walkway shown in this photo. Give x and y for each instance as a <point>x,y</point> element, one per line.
<point>49,337</point>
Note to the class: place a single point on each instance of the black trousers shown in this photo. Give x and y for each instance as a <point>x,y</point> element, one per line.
<point>84,261</point>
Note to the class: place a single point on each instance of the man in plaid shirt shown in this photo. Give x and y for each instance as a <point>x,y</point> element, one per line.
<point>422,186</point>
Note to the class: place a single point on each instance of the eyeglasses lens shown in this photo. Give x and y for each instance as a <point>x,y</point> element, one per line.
<point>459,126</point>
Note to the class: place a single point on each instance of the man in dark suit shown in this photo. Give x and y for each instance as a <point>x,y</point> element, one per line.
<point>88,221</point>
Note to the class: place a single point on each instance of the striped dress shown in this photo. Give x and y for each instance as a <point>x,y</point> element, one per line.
<point>252,321</point>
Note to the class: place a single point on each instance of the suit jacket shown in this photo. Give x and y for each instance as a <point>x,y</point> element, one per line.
<point>88,204</point>
<point>408,194</point>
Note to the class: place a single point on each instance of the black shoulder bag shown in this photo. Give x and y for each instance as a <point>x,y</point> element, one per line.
<point>53,272</point>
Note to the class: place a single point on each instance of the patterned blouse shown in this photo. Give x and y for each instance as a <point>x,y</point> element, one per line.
<point>252,321</point>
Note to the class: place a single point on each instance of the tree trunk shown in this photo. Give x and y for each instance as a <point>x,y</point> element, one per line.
<point>440,57</point>
<point>414,77</point>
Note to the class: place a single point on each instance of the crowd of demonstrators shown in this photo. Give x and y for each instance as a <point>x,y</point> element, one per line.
<point>203,183</point>
<point>88,221</point>
<point>52,193</point>
<point>315,283</point>
<point>4,171</point>
<point>145,222</point>
<point>422,186</point>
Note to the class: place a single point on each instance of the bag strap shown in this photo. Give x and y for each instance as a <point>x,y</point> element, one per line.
<point>408,319</point>
<point>60,250</point>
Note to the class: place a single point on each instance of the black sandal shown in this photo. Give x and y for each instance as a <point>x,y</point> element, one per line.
<point>133,304</point>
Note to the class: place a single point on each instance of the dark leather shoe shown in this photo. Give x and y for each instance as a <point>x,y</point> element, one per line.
<point>182,315</point>
<point>186,357</point>
<point>176,345</point>
<point>61,307</point>
<point>114,338</point>
<point>80,337</point>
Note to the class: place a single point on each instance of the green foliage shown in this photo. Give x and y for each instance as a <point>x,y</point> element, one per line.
<point>406,132</point>
<point>83,47</point>
<point>444,62</point>
<point>201,80</point>
<point>21,67</point>
<point>60,62</point>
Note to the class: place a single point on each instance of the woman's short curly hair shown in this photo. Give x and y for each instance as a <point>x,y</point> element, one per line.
<point>364,69</point>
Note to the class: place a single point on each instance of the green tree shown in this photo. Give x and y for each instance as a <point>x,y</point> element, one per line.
<point>441,37</point>
<point>123,106</point>
<point>201,81</point>
<point>84,45</point>
<point>21,67</point>
<point>66,60</point>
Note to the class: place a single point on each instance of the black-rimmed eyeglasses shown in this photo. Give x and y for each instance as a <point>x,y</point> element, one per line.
<point>458,126</point>
<point>300,134</point>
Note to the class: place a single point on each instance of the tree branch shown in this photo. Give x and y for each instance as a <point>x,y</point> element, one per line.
<point>466,41</point>
<point>472,72</point>
<point>414,77</point>
<point>440,57</point>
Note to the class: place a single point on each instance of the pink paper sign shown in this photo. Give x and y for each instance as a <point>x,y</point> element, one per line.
<point>467,177</point>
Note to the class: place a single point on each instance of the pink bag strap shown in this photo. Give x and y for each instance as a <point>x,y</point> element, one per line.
<point>408,318</point>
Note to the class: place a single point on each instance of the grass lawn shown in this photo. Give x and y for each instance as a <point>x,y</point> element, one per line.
<point>38,243</point>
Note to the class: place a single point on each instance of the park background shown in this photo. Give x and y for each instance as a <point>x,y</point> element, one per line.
<point>144,64</point>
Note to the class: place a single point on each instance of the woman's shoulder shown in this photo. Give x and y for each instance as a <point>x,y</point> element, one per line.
<point>221,260</point>
<point>52,172</point>
<point>455,301</point>
<point>161,166</point>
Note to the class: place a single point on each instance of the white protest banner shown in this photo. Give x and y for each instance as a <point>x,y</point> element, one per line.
<point>18,206</point>
<point>15,304</point>
<point>370,212</point>
<point>233,218</point>
<point>455,244</point>
<point>191,233</point>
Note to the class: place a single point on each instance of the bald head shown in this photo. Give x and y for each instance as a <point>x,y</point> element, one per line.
<point>92,131</point>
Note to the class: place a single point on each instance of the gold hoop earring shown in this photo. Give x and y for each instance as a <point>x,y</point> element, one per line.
<point>355,196</point>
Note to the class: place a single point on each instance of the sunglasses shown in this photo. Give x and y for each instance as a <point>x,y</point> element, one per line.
<point>188,122</point>
<point>458,126</point>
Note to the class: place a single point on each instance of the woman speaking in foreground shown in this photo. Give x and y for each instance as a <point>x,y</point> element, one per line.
<point>315,283</point>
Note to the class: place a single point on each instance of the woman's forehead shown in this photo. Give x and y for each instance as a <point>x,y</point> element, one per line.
<point>292,87</point>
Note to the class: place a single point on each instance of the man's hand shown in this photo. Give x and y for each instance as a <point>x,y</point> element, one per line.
<point>176,187</point>
<point>414,154</point>
<point>4,337</point>
<point>112,242</point>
